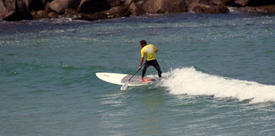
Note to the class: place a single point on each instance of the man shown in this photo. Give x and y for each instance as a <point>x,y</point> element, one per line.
<point>149,51</point>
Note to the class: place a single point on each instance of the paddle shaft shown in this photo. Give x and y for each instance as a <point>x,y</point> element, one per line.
<point>125,86</point>
<point>135,73</point>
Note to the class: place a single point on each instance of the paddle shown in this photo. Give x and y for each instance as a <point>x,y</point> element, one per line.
<point>125,86</point>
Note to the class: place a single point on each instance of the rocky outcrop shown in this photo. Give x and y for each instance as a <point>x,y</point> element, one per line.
<point>135,8</point>
<point>256,6</point>
<point>164,6</point>
<point>35,4</point>
<point>115,3</point>
<point>267,9</point>
<point>209,8</point>
<point>241,2</point>
<point>59,6</point>
<point>222,2</point>
<point>155,6</point>
<point>92,17</point>
<point>102,9</point>
<point>118,11</point>
<point>14,10</point>
<point>92,6</point>
<point>3,9</point>
<point>255,3</point>
<point>39,14</point>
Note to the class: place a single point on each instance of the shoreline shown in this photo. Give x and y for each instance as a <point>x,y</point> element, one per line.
<point>16,10</point>
<point>67,20</point>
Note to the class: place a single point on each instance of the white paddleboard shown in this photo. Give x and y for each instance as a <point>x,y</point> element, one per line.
<point>120,79</point>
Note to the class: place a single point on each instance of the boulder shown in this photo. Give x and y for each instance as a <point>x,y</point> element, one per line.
<point>35,4</point>
<point>92,17</point>
<point>222,2</point>
<point>212,2</point>
<point>92,6</point>
<point>268,9</point>
<point>71,13</point>
<point>119,11</point>
<point>115,3</point>
<point>255,2</point>
<point>241,2</point>
<point>230,3</point>
<point>59,6</point>
<point>15,10</point>
<point>135,8</point>
<point>3,10</point>
<point>39,14</point>
<point>52,15</point>
<point>208,8</point>
<point>164,6</point>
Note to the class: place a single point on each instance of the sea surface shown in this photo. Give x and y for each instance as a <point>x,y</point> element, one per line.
<point>218,76</point>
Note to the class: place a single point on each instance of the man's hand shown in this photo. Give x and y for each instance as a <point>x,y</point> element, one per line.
<point>139,67</point>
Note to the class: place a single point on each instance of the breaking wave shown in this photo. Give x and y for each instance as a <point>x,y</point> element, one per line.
<point>192,82</point>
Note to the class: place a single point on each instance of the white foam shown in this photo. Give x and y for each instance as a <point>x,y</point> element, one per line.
<point>192,82</point>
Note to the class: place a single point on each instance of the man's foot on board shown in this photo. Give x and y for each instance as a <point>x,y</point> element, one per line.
<point>145,80</point>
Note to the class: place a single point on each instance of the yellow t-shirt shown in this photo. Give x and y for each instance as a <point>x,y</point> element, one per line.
<point>149,51</point>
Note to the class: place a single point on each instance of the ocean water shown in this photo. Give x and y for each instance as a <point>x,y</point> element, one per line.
<point>218,76</point>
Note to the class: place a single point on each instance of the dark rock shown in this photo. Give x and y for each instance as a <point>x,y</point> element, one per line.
<point>39,14</point>
<point>52,15</point>
<point>115,3</point>
<point>15,10</point>
<point>230,3</point>
<point>164,6</point>
<point>72,13</point>
<point>3,10</point>
<point>268,9</point>
<point>119,11</point>
<point>59,6</point>
<point>221,2</point>
<point>212,2</point>
<point>134,8</point>
<point>255,2</point>
<point>35,4</point>
<point>241,2</point>
<point>209,8</point>
<point>92,6</point>
<point>92,17</point>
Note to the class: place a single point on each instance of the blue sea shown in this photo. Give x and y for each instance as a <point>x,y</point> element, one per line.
<point>218,76</point>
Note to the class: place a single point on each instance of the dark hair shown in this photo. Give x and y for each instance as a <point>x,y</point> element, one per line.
<point>143,42</point>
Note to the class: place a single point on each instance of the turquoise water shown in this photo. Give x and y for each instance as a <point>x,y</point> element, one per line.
<point>218,76</point>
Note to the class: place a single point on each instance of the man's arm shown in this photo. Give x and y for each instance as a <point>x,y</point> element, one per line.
<point>141,62</point>
<point>155,49</point>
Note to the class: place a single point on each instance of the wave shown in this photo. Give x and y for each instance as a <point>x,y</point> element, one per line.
<point>192,82</point>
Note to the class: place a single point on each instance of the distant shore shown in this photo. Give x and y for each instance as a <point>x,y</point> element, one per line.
<point>15,10</point>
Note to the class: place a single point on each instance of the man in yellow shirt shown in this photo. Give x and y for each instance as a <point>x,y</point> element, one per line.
<point>149,51</point>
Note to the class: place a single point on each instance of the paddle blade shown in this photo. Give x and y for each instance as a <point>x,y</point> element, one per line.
<point>124,86</point>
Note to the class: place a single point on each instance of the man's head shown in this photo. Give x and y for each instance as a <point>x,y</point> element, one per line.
<point>142,43</point>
